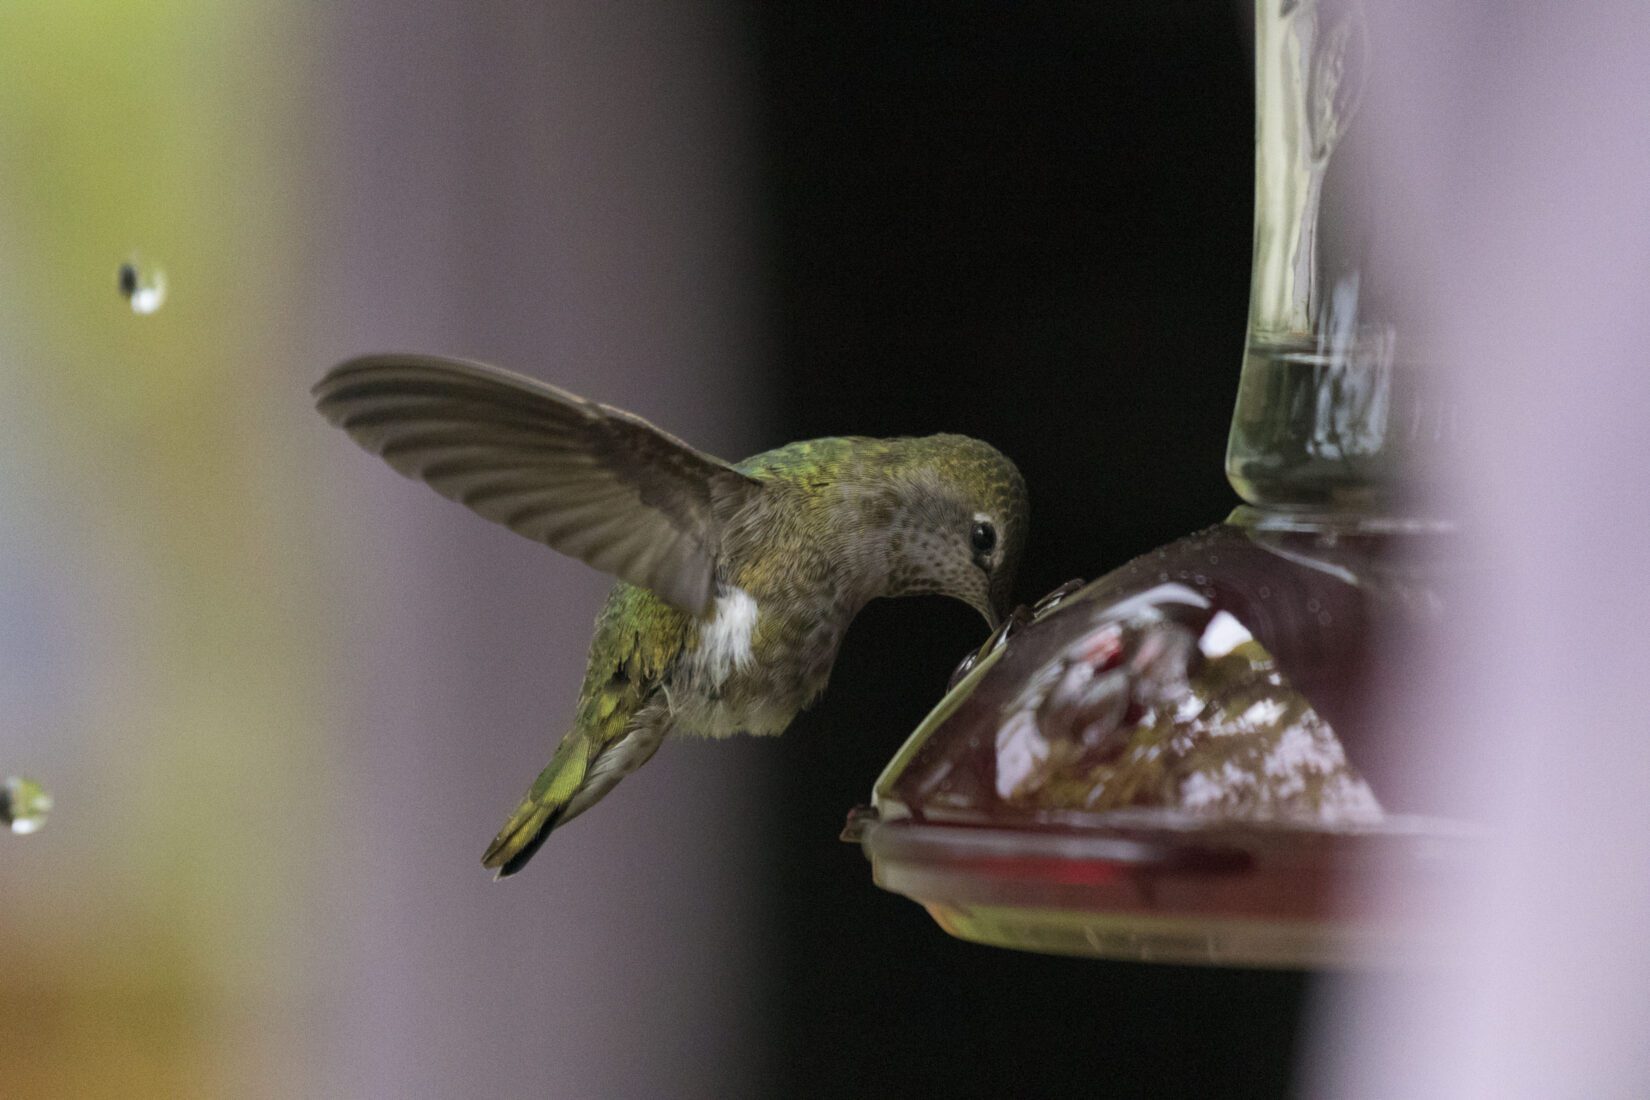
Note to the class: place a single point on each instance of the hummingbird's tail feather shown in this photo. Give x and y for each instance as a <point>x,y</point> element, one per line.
<point>521,839</point>
<point>588,763</point>
<point>544,807</point>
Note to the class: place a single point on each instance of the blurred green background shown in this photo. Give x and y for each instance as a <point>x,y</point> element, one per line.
<point>162,577</point>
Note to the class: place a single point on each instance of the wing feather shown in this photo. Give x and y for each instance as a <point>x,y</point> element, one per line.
<point>591,481</point>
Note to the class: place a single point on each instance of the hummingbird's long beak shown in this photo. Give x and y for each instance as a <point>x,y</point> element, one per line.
<point>1002,604</point>
<point>982,604</point>
<point>994,603</point>
<point>988,609</point>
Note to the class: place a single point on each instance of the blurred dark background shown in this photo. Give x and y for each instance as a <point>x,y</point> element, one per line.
<point>1028,223</point>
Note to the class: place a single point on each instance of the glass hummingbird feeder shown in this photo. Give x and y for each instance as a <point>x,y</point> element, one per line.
<point>1182,760</point>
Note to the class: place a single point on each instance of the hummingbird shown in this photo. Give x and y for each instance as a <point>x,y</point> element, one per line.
<point>736,581</point>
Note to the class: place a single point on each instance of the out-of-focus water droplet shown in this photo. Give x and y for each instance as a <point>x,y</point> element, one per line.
<point>24,805</point>
<point>142,285</point>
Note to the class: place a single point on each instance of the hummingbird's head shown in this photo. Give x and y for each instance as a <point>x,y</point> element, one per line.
<point>961,525</point>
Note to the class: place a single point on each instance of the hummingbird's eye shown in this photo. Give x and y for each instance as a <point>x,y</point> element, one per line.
<point>983,538</point>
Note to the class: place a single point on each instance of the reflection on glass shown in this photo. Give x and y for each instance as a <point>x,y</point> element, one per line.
<point>1143,713</point>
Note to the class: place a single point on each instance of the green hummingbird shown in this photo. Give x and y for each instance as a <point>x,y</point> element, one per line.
<point>736,582</point>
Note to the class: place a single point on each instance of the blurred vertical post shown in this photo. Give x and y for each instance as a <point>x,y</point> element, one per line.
<point>1514,172</point>
<point>561,189</point>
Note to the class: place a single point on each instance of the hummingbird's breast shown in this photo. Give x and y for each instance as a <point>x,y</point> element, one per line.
<point>753,665</point>
<point>785,596</point>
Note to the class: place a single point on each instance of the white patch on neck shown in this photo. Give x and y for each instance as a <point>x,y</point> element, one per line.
<point>725,641</point>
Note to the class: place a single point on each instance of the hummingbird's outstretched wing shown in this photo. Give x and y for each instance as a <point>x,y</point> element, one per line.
<point>594,482</point>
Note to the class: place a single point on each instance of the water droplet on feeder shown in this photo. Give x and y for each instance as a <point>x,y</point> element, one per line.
<point>24,805</point>
<point>143,287</point>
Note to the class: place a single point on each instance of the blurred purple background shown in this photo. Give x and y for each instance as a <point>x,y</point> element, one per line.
<point>571,188</point>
